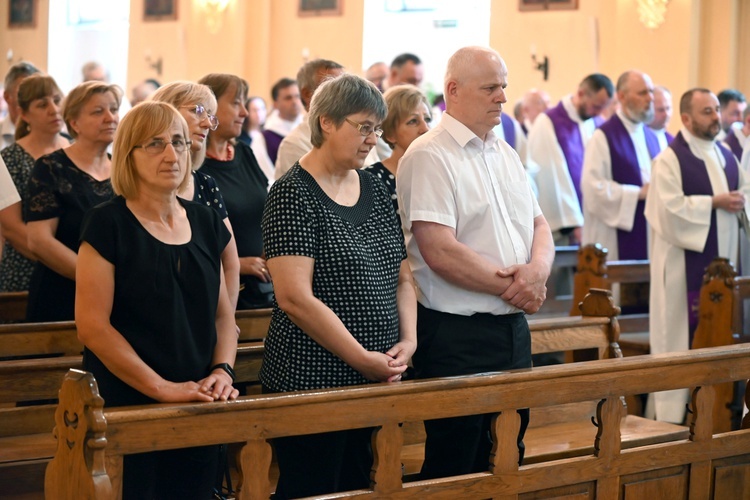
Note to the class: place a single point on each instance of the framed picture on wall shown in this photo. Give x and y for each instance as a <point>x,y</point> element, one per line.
<point>547,4</point>
<point>320,8</point>
<point>160,10</point>
<point>22,13</point>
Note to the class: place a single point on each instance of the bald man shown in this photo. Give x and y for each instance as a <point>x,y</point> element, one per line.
<point>479,247</point>
<point>662,115</point>
<point>617,172</point>
<point>534,103</point>
<point>377,73</point>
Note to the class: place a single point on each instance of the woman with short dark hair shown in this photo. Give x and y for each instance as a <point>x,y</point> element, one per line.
<point>345,311</point>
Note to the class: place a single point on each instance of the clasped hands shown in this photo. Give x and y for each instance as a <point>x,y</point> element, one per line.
<point>528,290</point>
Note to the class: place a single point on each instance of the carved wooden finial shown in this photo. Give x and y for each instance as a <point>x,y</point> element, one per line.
<point>590,273</point>
<point>599,302</point>
<point>77,470</point>
<point>593,258</point>
<point>721,269</point>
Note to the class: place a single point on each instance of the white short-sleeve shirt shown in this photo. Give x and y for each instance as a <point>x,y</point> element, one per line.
<point>479,188</point>
<point>8,192</point>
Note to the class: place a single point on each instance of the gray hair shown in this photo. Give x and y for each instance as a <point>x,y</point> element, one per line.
<point>463,61</point>
<point>19,70</point>
<point>340,97</point>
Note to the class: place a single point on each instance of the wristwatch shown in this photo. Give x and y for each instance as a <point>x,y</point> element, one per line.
<point>226,368</point>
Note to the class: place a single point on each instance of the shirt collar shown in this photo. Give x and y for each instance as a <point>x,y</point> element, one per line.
<point>567,103</point>
<point>463,135</point>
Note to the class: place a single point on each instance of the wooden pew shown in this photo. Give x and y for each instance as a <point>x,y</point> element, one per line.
<point>597,330</point>
<point>572,421</point>
<point>88,458</point>
<point>13,306</point>
<point>566,258</point>
<point>35,340</point>
<point>26,444</point>
<point>721,323</point>
<point>593,271</point>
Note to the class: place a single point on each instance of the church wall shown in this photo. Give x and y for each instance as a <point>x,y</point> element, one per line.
<point>605,37</point>
<point>27,44</point>
<point>263,40</point>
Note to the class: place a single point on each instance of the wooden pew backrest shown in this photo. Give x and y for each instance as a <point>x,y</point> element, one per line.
<point>89,458</point>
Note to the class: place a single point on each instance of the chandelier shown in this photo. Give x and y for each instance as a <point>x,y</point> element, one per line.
<point>213,10</point>
<point>652,12</point>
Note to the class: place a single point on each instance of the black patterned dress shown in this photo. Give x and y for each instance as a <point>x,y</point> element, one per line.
<point>15,269</point>
<point>357,252</point>
<point>59,189</point>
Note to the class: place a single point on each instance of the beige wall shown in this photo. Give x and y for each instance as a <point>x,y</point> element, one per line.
<point>27,44</point>
<point>605,37</point>
<point>263,40</point>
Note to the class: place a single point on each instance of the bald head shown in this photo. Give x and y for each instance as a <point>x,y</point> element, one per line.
<point>662,108</point>
<point>534,103</point>
<point>635,92</point>
<point>475,81</point>
<point>377,73</point>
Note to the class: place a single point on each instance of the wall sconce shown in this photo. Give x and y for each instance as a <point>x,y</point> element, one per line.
<point>542,66</point>
<point>213,10</point>
<point>652,12</point>
<point>155,65</point>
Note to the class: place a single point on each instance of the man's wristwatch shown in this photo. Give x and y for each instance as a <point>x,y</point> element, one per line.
<point>226,368</point>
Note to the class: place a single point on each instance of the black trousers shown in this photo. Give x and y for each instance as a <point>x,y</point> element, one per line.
<point>450,345</point>
<point>328,462</point>
<point>188,473</point>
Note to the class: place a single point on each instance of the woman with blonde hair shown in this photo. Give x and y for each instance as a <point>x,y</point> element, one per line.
<point>37,134</point>
<point>153,313</point>
<point>244,186</point>
<point>197,105</point>
<point>63,186</point>
<point>408,117</point>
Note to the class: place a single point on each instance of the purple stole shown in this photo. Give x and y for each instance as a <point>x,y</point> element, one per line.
<point>509,129</point>
<point>734,143</point>
<point>273,140</point>
<point>669,137</point>
<point>695,181</point>
<point>633,244</point>
<point>569,137</point>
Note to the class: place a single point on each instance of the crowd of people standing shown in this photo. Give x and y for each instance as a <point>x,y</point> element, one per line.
<point>392,236</point>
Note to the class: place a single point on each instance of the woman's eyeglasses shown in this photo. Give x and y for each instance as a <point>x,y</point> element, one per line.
<point>201,113</point>
<point>365,129</point>
<point>157,146</point>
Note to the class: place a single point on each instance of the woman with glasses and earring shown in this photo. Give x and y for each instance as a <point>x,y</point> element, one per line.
<point>62,187</point>
<point>153,313</point>
<point>197,105</point>
<point>243,185</point>
<point>346,306</point>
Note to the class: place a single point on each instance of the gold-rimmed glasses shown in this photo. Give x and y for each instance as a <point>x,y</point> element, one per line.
<point>365,129</point>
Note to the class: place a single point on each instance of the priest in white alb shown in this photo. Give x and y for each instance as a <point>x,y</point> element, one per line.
<point>617,172</point>
<point>697,191</point>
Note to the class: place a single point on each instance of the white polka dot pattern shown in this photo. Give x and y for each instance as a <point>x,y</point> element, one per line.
<point>357,251</point>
